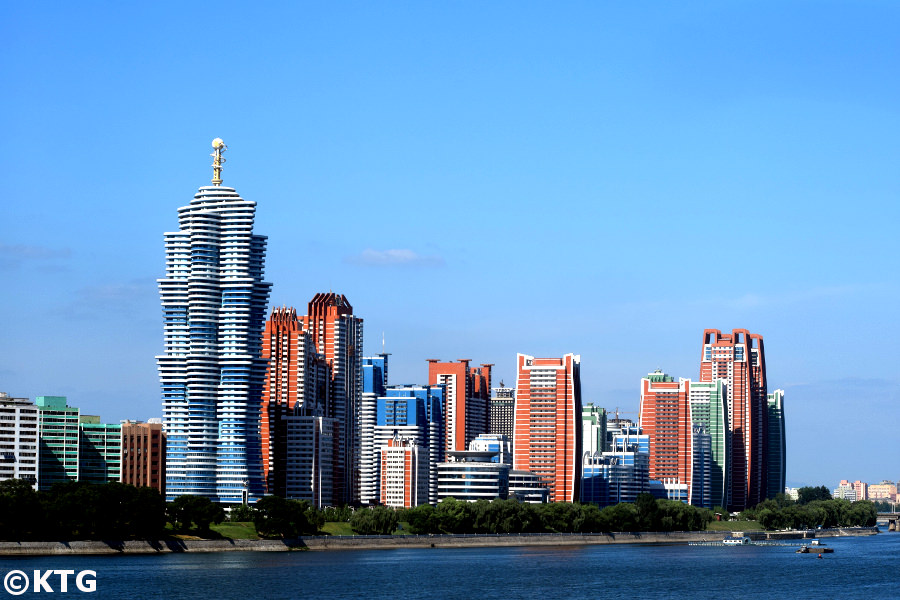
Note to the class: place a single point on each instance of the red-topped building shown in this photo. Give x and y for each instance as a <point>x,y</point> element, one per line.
<point>338,336</point>
<point>466,402</point>
<point>666,417</point>
<point>547,437</point>
<point>740,360</point>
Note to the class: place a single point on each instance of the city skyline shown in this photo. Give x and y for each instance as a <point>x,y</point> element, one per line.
<point>744,158</point>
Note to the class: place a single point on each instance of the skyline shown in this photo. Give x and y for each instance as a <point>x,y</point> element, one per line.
<point>604,181</point>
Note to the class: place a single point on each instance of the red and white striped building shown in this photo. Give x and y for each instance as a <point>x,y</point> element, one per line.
<point>547,437</point>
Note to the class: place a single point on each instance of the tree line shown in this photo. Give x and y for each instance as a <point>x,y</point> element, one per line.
<point>116,511</point>
<point>813,508</point>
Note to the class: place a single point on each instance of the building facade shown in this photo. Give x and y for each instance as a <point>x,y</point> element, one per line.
<point>467,396</point>
<point>58,441</point>
<point>19,443</point>
<point>412,413</point>
<point>143,455</point>
<point>548,426</point>
<point>99,450</point>
<point>308,453</point>
<point>686,422</point>
<point>501,411</point>
<point>212,372</point>
<point>739,359</point>
<point>619,474</point>
<point>593,433</point>
<point>296,387</point>
<point>337,335</point>
<point>775,444</point>
<point>469,476</point>
<point>404,473</point>
<point>375,381</point>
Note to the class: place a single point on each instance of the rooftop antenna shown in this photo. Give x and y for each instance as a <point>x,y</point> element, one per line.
<point>218,148</point>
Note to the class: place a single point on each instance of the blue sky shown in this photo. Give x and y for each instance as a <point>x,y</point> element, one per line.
<point>479,179</point>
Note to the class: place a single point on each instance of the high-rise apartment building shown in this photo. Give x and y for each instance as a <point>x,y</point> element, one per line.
<point>18,439</point>
<point>413,413</point>
<point>308,459</point>
<point>294,402</point>
<point>144,455</point>
<point>375,380</point>
<point>212,372</point>
<point>775,444</point>
<point>739,359</point>
<point>621,473</point>
<point>502,411</point>
<point>99,450</point>
<point>709,411</point>
<point>548,425</point>
<point>593,423</point>
<point>404,473</point>
<point>338,336</point>
<point>58,440</point>
<point>466,400</point>
<point>666,418</point>
<point>776,463</point>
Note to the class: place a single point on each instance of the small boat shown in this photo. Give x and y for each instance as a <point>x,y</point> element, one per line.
<point>816,549</point>
<point>736,541</point>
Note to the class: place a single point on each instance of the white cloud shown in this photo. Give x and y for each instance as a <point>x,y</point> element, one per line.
<point>14,255</point>
<point>394,257</point>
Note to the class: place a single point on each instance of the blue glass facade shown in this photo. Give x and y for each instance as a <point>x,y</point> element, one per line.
<point>212,373</point>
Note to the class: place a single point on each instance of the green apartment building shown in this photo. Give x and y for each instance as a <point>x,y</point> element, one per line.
<point>76,447</point>
<point>58,426</point>
<point>100,450</point>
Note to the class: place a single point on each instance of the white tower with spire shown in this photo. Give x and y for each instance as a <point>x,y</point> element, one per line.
<point>214,304</point>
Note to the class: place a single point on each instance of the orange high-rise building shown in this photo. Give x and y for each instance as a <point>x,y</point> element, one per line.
<point>466,401</point>
<point>740,360</point>
<point>338,336</point>
<point>295,386</point>
<point>666,417</point>
<point>548,422</point>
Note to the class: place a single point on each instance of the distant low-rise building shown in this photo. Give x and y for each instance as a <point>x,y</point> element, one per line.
<point>18,439</point>
<point>143,455</point>
<point>526,486</point>
<point>99,450</point>
<point>470,475</point>
<point>620,474</point>
<point>844,491</point>
<point>58,431</point>
<point>886,490</point>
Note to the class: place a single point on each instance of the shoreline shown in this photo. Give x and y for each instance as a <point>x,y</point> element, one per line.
<point>387,542</point>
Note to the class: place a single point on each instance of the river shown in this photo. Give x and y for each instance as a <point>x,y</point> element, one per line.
<point>861,567</point>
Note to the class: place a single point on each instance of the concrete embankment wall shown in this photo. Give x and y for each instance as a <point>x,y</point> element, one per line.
<point>401,541</point>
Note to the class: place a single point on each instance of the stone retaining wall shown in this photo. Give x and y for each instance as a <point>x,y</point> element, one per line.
<point>403,541</point>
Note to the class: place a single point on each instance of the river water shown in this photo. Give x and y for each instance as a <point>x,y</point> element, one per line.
<point>861,567</point>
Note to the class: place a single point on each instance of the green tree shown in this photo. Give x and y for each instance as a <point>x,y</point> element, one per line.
<point>808,494</point>
<point>378,520</point>
<point>422,519</point>
<point>197,511</point>
<point>241,514</point>
<point>455,516</point>
<point>274,516</point>
<point>648,514</point>
<point>19,510</point>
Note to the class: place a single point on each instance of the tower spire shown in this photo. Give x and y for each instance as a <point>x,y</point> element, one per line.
<point>218,148</point>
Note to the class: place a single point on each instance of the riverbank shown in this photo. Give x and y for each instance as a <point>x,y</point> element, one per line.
<point>404,541</point>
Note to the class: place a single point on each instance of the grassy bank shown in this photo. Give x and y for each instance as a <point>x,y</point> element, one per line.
<point>734,526</point>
